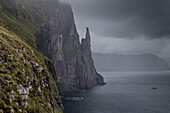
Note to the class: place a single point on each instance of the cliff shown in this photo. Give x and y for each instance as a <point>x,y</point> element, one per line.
<point>92,78</point>
<point>27,78</point>
<point>29,81</point>
<point>58,40</point>
<point>143,62</point>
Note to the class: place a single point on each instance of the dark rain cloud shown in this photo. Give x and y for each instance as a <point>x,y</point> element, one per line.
<point>125,26</point>
<point>125,18</point>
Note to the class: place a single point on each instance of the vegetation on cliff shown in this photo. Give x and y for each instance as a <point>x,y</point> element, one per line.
<point>27,78</point>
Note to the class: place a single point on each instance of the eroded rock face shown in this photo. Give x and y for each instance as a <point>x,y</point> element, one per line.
<point>58,40</point>
<point>0,7</point>
<point>93,78</point>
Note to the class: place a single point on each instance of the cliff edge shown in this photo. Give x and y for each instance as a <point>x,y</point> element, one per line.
<point>29,81</point>
<point>58,40</point>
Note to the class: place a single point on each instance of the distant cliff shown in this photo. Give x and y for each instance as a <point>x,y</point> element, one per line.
<point>114,62</point>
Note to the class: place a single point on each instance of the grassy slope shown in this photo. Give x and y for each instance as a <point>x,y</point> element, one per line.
<point>17,49</point>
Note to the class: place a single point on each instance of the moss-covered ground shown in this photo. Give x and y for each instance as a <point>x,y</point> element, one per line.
<point>21,63</point>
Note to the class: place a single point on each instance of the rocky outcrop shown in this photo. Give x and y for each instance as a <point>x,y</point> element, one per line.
<point>92,78</point>
<point>58,40</point>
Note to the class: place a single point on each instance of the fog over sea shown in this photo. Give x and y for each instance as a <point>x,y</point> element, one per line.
<point>124,92</point>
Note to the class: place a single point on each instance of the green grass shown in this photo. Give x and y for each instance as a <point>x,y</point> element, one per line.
<point>9,43</point>
<point>17,34</point>
<point>24,29</point>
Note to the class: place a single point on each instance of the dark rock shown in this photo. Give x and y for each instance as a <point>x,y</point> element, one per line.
<point>0,7</point>
<point>58,40</point>
<point>3,71</point>
<point>92,77</point>
<point>154,88</point>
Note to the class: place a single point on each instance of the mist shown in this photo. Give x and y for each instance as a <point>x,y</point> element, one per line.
<point>125,27</point>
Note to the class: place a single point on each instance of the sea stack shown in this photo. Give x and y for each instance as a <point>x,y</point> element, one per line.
<point>59,41</point>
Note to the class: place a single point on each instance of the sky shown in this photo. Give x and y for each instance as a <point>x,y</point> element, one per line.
<point>125,26</point>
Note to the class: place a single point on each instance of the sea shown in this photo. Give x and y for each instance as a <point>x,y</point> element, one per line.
<point>124,92</point>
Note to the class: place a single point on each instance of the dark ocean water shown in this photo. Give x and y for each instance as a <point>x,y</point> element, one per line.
<point>125,92</point>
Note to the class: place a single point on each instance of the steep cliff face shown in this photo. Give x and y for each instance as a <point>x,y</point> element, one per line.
<point>27,78</point>
<point>92,78</point>
<point>58,40</point>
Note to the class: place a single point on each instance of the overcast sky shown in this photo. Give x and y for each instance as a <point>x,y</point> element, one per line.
<point>125,26</point>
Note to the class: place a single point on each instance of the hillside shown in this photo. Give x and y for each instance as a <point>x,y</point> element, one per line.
<point>27,77</point>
